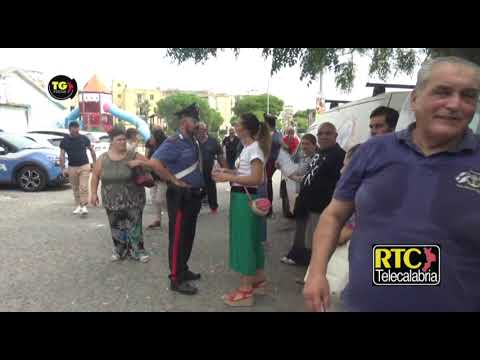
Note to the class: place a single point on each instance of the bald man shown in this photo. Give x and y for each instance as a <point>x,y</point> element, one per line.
<point>318,185</point>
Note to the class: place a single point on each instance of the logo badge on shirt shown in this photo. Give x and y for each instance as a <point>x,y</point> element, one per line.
<point>3,168</point>
<point>406,265</point>
<point>469,180</point>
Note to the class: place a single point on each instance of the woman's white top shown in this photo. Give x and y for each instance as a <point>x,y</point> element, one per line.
<point>248,154</point>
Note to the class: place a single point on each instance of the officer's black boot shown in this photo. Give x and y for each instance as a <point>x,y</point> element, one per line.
<point>183,288</point>
<point>191,276</point>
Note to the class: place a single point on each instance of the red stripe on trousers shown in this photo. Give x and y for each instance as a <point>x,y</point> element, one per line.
<point>176,243</point>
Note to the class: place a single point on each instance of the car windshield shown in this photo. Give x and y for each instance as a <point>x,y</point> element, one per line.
<point>21,142</point>
<point>55,142</point>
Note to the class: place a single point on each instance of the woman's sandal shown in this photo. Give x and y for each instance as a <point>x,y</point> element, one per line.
<point>239,297</point>
<point>259,288</point>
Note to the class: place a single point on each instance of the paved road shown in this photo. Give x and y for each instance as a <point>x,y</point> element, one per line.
<point>53,260</point>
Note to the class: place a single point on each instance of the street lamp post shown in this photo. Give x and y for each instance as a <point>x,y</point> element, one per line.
<point>268,87</point>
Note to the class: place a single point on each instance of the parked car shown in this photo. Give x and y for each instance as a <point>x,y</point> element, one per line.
<point>45,140</point>
<point>28,164</point>
<point>99,140</point>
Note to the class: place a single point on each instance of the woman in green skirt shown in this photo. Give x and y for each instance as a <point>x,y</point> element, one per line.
<point>247,256</point>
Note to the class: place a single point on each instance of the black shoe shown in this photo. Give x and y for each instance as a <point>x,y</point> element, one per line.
<point>191,276</point>
<point>183,288</point>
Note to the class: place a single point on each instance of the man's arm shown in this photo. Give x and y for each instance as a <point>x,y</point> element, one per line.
<point>325,239</point>
<point>96,173</point>
<point>92,152</point>
<point>158,168</point>
<point>222,161</point>
<point>256,177</point>
<point>220,156</point>
<point>62,159</point>
<point>164,173</point>
<point>345,235</point>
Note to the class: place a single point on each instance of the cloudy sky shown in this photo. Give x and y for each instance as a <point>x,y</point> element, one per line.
<point>150,68</point>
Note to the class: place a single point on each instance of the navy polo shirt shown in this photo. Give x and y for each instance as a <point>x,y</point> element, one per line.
<point>211,149</point>
<point>178,153</point>
<point>403,197</point>
<point>76,149</point>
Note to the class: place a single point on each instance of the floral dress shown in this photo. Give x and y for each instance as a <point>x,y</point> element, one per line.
<point>123,201</point>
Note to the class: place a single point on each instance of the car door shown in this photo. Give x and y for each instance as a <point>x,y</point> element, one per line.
<point>6,163</point>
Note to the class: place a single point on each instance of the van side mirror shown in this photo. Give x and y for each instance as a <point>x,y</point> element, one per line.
<point>3,151</point>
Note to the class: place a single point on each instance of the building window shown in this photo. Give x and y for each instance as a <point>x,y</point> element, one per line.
<point>151,97</point>
<point>118,84</point>
<point>139,97</point>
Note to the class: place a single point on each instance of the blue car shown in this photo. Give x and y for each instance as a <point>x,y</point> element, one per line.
<point>27,164</point>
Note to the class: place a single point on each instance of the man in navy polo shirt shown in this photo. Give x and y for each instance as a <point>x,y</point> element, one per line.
<point>178,161</point>
<point>419,186</point>
<point>75,146</point>
<point>211,151</point>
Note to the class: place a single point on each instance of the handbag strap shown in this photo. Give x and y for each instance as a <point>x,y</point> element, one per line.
<point>248,194</point>
<point>264,179</point>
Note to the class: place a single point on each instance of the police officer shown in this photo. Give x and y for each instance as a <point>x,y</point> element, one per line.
<point>178,161</point>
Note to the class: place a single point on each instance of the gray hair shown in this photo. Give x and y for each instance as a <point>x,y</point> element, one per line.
<point>202,123</point>
<point>426,70</point>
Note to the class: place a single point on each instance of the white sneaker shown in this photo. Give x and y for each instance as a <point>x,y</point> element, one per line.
<point>78,210</point>
<point>115,257</point>
<point>144,258</point>
<point>84,210</point>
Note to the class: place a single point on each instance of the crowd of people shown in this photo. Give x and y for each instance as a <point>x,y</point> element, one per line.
<point>396,188</point>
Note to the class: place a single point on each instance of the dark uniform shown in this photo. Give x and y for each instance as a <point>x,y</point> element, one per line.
<point>179,153</point>
<point>231,150</point>
<point>211,150</point>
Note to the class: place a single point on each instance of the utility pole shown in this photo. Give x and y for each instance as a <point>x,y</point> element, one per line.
<point>268,87</point>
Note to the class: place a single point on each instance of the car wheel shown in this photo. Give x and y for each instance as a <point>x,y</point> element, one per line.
<point>31,179</point>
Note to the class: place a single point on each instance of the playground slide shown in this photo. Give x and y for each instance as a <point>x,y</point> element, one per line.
<point>141,125</point>
<point>73,116</point>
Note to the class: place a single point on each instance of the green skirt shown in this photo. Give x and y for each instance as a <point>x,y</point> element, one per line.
<point>247,253</point>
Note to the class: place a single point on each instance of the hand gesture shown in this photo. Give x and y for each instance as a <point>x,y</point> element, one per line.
<point>180,183</point>
<point>134,163</point>
<point>94,200</point>
<point>317,293</point>
<point>221,176</point>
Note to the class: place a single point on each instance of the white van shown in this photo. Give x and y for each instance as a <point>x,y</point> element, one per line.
<point>352,120</point>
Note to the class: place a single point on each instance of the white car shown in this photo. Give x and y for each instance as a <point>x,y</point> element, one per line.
<point>99,140</point>
<point>45,140</point>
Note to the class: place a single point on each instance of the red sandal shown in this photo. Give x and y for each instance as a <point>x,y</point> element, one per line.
<point>239,297</point>
<point>259,288</point>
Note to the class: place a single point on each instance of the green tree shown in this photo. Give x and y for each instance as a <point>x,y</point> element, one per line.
<point>304,113</point>
<point>258,105</point>
<point>384,61</point>
<point>167,107</point>
<point>233,120</point>
<point>302,123</point>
